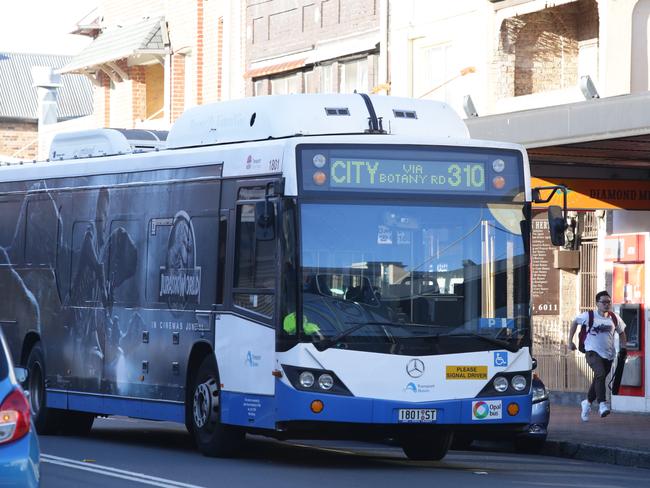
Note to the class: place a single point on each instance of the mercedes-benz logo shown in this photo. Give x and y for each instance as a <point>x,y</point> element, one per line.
<point>415,368</point>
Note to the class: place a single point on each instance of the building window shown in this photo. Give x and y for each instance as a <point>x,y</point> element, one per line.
<point>328,78</point>
<point>258,88</point>
<point>354,76</point>
<point>431,69</point>
<point>283,85</point>
<point>155,86</point>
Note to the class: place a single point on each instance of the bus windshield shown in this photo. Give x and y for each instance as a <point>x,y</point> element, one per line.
<point>416,278</point>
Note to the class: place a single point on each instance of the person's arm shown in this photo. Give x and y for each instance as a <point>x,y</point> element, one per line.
<point>622,340</point>
<point>574,326</point>
<point>622,336</point>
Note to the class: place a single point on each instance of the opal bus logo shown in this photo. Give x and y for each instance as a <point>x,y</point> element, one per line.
<point>180,278</point>
<point>480,410</point>
<point>489,409</point>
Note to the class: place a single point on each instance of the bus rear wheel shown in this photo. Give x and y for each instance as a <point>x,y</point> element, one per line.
<point>431,448</point>
<point>211,436</point>
<point>45,419</point>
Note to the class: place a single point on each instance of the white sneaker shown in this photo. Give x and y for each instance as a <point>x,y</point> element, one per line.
<point>586,408</point>
<point>603,409</point>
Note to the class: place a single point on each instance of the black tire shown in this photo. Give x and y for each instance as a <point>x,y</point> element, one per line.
<point>461,442</point>
<point>212,438</point>
<point>46,420</point>
<point>529,445</point>
<point>431,448</point>
<point>76,423</point>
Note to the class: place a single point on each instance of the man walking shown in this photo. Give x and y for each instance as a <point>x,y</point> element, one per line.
<point>599,349</point>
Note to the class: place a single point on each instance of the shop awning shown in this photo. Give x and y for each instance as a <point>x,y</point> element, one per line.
<point>603,132</point>
<point>275,68</point>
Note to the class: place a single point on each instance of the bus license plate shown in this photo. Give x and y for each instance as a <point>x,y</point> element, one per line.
<point>417,415</point>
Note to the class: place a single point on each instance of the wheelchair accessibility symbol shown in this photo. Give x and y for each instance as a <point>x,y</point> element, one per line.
<point>501,359</point>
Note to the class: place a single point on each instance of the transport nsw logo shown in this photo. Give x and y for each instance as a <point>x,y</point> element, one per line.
<point>180,278</point>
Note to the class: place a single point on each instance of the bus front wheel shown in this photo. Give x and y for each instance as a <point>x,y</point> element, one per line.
<point>211,436</point>
<point>424,448</point>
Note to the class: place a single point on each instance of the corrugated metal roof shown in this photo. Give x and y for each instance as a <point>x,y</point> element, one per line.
<point>18,98</point>
<point>119,42</point>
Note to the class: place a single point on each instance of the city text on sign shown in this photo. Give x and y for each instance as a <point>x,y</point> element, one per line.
<point>396,174</point>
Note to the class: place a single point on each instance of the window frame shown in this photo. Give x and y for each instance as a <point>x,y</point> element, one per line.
<point>234,239</point>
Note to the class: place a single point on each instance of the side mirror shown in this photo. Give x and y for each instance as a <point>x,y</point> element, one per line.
<point>556,225</point>
<point>264,221</point>
<point>21,374</point>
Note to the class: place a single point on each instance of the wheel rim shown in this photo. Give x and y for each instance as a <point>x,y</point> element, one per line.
<point>206,403</point>
<point>35,389</point>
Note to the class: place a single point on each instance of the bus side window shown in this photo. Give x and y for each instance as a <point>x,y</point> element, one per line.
<point>86,270</point>
<point>221,257</point>
<point>42,232</point>
<point>207,241</point>
<point>255,265</point>
<point>124,264</point>
<point>158,230</point>
<point>11,223</point>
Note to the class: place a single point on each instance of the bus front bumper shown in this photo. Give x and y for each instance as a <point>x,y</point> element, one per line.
<point>499,412</point>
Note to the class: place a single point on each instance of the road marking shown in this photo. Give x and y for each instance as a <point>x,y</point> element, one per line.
<point>563,485</point>
<point>114,472</point>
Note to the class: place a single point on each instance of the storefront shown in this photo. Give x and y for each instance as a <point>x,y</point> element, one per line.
<point>600,150</point>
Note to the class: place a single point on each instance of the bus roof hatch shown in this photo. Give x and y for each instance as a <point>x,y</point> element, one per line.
<point>105,142</point>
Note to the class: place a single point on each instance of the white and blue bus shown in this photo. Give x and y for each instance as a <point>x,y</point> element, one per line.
<point>302,266</point>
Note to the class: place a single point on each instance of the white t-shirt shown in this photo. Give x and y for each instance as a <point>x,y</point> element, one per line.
<point>601,336</point>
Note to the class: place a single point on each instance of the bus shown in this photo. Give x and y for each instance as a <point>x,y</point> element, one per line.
<point>299,266</point>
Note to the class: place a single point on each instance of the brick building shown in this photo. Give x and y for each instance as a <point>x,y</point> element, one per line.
<point>515,54</point>
<point>152,59</point>
<point>306,47</point>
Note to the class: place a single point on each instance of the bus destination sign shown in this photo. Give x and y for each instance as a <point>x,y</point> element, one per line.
<point>390,174</point>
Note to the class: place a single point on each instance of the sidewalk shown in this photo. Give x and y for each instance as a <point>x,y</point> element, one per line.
<point>620,438</point>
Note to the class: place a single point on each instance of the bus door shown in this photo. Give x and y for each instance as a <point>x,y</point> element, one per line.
<point>245,323</point>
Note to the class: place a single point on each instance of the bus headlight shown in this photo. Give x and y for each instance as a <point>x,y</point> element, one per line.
<point>325,381</point>
<point>518,382</point>
<point>306,379</point>
<point>500,384</point>
<point>315,380</point>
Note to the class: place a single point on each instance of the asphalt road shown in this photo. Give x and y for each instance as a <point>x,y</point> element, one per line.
<point>128,453</point>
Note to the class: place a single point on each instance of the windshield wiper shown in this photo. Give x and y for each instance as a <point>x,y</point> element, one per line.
<point>327,343</point>
<point>497,342</point>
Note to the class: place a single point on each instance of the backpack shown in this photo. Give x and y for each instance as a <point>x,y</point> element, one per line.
<point>584,330</point>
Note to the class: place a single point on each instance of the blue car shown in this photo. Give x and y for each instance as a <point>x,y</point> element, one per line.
<point>19,451</point>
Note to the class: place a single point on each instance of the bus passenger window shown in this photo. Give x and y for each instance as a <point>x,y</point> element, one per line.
<point>255,265</point>
<point>42,232</point>
<point>221,258</point>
